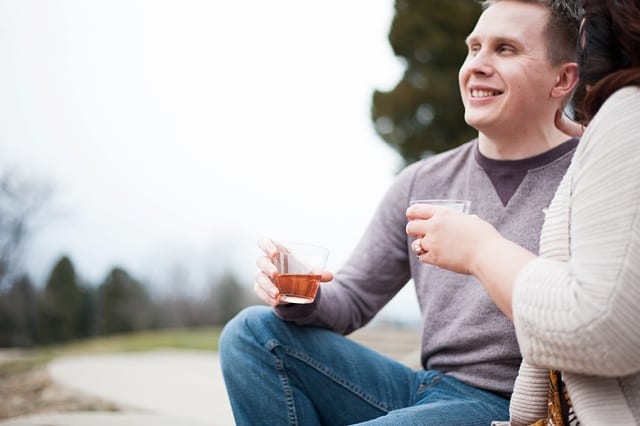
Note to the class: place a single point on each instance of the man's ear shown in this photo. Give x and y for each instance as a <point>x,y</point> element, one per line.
<point>566,80</point>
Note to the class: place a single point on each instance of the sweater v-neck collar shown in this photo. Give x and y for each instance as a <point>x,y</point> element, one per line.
<point>507,175</point>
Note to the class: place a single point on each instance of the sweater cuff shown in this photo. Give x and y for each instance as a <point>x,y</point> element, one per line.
<point>300,314</point>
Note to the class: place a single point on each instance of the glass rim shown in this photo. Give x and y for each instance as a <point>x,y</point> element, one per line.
<point>439,201</point>
<point>301,244</point>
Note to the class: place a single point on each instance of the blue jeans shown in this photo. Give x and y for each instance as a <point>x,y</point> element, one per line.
<point>278,373</point>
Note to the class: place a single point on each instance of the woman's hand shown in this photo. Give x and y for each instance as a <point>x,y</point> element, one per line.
<point>567,125</point>
<point>447,238</point>
<point>468,245</point>
<point>264,286</point>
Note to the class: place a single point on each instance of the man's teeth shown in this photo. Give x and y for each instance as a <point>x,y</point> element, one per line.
<point>475,93</point>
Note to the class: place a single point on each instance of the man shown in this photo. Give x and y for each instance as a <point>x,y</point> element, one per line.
<point>296,368</point>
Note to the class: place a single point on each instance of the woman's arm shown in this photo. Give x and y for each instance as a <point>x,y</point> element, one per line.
<point>580,314</point>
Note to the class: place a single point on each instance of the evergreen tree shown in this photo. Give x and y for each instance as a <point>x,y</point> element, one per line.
<point>424,114</point>
<point>7,323</point>
<point>86,326</point>
<point>60,308</point>
<point>122,304</point>
<point>22,298</point>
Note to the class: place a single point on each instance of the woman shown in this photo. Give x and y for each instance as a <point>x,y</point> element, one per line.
<point>576,306</point>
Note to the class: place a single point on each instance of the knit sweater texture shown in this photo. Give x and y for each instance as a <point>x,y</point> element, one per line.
<point>463,333</point>
<point>577,307</point>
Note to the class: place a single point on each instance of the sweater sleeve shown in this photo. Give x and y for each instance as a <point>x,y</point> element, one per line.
<point>530,395</point>
<point>376,270</point>
<point>581,314</point>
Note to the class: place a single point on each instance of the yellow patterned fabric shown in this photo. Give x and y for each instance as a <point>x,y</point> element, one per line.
<point>560,411</point>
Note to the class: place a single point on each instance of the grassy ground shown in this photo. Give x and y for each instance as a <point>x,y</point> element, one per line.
<point>198,338</point>
<point>26,388</point>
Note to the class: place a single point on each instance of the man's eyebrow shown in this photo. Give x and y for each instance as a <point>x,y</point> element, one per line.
<point>497,40</point>
<point>507,40</point>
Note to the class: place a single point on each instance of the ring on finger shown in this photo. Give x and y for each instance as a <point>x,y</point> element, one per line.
<point>418,249</point>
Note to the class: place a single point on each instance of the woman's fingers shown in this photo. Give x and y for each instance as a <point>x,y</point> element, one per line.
<point>567,125</point>
<point>416,228</point>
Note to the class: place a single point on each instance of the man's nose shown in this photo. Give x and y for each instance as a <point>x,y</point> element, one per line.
<point>479,63</point>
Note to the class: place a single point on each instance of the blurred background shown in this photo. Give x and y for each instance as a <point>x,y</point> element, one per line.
<point>145,145</point>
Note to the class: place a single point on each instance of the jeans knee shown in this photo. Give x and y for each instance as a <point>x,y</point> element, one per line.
<point>235,332</point>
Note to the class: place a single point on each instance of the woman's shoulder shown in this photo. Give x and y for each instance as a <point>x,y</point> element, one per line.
<point>621,98</point>
<point>620,111</point>
<point>610,140</point>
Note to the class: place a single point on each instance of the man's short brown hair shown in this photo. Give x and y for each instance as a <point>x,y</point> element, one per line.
<point>562,28</point>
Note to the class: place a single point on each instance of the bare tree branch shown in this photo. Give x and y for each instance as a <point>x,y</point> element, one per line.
<point>22,201</point>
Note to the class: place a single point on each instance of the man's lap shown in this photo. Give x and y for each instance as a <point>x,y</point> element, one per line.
<point>337,381</point>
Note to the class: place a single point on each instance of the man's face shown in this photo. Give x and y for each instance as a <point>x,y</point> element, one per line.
<point>506,79</point>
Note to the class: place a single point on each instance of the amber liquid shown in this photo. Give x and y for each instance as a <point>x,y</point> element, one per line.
<point>297,288</point>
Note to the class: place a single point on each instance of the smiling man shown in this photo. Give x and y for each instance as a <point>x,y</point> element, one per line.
<point>292,365</point>
<point>515,77</point>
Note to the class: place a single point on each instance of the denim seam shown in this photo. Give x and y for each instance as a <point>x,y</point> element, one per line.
<point>423,386</point>
<point>336,379</point>
<point>284,381</point>
<point>433,381</point>
<point>288,395</point>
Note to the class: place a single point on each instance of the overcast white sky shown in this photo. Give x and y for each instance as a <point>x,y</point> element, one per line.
<point>177,132</point>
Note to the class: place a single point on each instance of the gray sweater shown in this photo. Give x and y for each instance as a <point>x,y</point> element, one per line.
<point>463,333</point>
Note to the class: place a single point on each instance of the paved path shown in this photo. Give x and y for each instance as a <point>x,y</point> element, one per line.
<point>171,387</point>
<point>160,388</point>
<point>185,384</point>
<point>101,419</point>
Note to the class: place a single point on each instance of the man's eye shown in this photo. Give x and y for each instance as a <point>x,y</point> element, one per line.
<point>505,48</point>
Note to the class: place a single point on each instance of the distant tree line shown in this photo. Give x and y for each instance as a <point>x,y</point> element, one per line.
<point>67,308</point>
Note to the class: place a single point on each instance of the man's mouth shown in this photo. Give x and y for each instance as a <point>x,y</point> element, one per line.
<point>484,93</point>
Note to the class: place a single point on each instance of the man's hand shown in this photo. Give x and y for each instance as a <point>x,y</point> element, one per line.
<point>264,286</point>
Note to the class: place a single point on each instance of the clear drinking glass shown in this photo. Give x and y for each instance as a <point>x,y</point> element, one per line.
<point>460,205</point>
<point>299,268</point>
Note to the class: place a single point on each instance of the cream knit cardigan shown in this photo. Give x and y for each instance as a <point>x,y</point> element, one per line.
<point>577,307</point>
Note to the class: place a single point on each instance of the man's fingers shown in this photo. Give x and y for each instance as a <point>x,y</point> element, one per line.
<point>265,264</point>
<point>265,289</point>
<point>267,246</point>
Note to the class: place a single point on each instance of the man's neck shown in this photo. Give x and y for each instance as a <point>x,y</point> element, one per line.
<point>519,146</point>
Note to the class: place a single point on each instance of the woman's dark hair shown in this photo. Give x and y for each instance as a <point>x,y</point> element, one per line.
<point>609,52</point>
